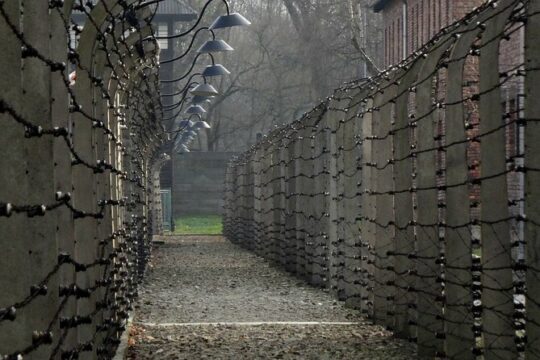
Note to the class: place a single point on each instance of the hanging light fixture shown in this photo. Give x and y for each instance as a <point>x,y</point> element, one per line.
<point>204,90</point>
<point>229,20</point>
<point>184,148</point>
<point>184,124</point>
<point>215,70</point>
<point>201,124</point>
<point>197,99</point>
<point>195,109</point>
<point>212,46</point>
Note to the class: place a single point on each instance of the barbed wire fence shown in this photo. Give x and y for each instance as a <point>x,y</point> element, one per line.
<point>77,180</point>
<point>414,195</point>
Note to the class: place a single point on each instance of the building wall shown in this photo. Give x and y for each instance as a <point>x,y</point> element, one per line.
<point>424,19</point>
<point>198,183</point>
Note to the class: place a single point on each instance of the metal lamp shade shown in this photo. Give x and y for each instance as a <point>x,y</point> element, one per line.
<point>212,46</point>
<point>215,70</point>
<point>186,139</point>
<point>185,124</point>
<point>227,21</point>
<point>201,124</point>
<point>195,109</point>
<point>200,99</point>
<point>204,90</point>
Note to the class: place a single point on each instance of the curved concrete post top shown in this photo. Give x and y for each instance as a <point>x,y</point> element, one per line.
<point>98,18</point>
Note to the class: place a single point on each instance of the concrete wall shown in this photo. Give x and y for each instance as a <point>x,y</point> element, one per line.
<point>198,182</point>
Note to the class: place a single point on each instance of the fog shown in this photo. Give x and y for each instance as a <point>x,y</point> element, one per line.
<point>292,56</point>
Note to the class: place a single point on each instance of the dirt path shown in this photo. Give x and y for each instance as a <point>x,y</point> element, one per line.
<point>206,298</point>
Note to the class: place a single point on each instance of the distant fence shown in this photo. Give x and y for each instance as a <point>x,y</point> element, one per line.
<point>198,183</point>
<point>79,129</point>
<point>415,195</point>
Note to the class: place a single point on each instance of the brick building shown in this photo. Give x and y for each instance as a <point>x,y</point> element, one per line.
<point>409,24</point>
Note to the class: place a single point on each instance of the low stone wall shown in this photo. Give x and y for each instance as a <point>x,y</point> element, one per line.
<point>198,182</point>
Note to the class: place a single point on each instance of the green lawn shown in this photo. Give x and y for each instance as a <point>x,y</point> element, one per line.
<point>199,225</point>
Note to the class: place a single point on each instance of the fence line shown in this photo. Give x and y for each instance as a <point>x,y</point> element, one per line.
<point>76,164</point>
<point>414,195</point>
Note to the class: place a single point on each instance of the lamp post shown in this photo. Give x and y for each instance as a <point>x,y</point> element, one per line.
<point>202,91</point>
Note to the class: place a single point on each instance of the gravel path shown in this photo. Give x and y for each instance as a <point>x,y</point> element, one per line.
<point>206,298</point>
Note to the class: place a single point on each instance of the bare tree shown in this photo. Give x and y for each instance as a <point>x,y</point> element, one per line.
<point>293,55</point>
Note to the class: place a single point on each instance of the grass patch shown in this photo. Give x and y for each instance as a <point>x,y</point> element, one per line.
<point>199,225</point>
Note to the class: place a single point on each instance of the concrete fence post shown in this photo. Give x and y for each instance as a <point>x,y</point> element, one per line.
<point>310,197</point>
<point>459,318</point>
<point>429,293</point>
<point>301,198</point>
<point>291,200</point>
<point>404,173</point>
<point>384,291</point>
<point>532,179</point>
<point>497,277</point>
<point>367,224</point>
<point>320,153</point>
<point>14,187</point>
<point>39,234</point>
<point>352,186</point>
<point>281,205</point>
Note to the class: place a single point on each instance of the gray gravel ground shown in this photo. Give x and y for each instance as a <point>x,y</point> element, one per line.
<point>198,281</point>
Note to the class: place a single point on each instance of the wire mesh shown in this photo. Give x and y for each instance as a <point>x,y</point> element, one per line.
<point>80,130</point>
<point>413,195</point>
